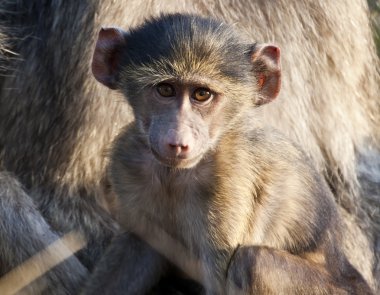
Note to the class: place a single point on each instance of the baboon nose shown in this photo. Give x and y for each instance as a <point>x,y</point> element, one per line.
<point>178,149</point>
<point>178,144</point>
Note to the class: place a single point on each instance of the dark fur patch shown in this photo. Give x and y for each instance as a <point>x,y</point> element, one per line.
<point>177,45</point>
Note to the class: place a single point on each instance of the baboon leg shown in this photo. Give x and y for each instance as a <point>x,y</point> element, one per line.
<point>251,272</point>
<point>24,233</point>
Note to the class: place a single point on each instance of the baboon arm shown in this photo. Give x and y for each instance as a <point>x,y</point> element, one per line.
<point>262,270</point>
<point>88,217</point>
<point>129,266</point>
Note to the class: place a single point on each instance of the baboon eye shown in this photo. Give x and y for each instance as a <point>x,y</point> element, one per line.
<point>165,90</point>
<point>202,94</point>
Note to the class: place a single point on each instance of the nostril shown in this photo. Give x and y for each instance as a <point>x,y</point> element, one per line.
<point>174,146</point>
<point>178,147</point>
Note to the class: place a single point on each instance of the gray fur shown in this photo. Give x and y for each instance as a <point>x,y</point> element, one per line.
<point>17,208</point>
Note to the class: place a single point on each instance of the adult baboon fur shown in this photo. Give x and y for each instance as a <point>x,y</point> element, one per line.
<point>56,122</point>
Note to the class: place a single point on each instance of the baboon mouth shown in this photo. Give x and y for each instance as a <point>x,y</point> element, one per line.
<point>176,162</point>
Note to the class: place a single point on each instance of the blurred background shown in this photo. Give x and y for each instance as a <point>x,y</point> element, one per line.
<point>374,6</point>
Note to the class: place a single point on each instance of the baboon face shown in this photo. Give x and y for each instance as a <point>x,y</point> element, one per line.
<point>180,120</point>
<point>187,79</point>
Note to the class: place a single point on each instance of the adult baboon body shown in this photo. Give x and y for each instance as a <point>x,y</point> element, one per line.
<point>55,123</point>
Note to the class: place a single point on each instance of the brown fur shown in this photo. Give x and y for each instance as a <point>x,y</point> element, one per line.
<point>55,122</point>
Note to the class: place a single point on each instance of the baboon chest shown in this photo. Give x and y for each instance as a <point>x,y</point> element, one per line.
<point>180,213</point>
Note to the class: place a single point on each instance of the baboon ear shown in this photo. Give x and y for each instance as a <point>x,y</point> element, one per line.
<point>106,59</point>
<point>266,66</point>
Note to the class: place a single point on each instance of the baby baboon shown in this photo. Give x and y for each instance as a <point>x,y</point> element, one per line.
<point>202,185</point>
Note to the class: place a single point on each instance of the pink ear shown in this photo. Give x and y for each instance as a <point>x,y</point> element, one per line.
<point>105,62</point>
<point>266,65</point>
